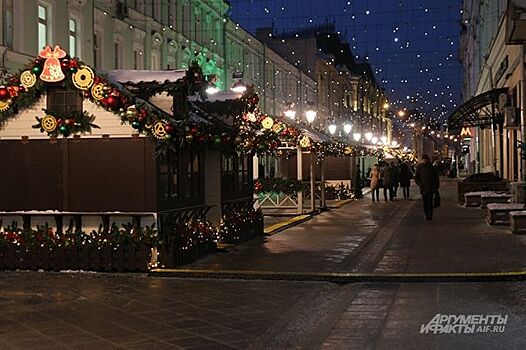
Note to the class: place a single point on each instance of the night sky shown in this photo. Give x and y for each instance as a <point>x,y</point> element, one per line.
<point>411,44</point>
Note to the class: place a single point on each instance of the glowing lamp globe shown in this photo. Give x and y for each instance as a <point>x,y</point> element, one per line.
<point>332,129</point>
<point>357,136</point>
<point>310,115</point>
<point>347,128</point>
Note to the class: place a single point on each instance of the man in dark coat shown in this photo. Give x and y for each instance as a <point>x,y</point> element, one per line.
<point>387,181</point>
<point>427,178</point>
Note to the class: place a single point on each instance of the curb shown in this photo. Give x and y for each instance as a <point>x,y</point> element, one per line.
<point>342,277</point>
<point>341,203</point>
<point>280,226</point>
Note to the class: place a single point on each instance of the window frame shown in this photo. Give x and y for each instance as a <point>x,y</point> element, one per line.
<point>44,22</point>
<point>53,94</point>
<point>74,52</point>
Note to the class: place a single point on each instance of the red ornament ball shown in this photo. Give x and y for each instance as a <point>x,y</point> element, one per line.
<point>64,64</point>
<point>4,93</point>
<point>113,102</point>
<point>73,63</point>
<point>169,128</point>
<point>21,89</point>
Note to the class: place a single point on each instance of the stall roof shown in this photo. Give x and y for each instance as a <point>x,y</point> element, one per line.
<point>306,130</point>
<point>137,76</point>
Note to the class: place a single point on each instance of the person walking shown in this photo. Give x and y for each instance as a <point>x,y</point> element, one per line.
<point>396,178</point>
<point>405,179</point>
<point>428,180</point>
<point>374,176</point>
<point>387,181</point>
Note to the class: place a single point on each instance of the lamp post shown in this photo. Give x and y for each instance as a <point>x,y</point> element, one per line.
<point>310,114</point>
<point>347,128</point>
<point>290,112</point>
<point>332,128</point>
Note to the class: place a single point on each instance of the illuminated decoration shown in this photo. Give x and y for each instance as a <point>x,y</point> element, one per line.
<point>305,142</point>
<point>4,105</point>
<point>159,130</point>
<point>290,112</point>
<point>83,78</point>
<point>97,91</point>
<point>357,136</point>
<point>383,139</point>
<point>368,136</point>
<point>466,132</point>
<point>52,70</point>
<point>332,129</point>
<point>347,128</point>
<point>49,123</point>
<point>310,115</point>
<point>28,79</point>
<point>374,140</point>
<point>267,123</point>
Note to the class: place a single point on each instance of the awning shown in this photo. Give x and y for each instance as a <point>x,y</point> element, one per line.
<point>477,111</point>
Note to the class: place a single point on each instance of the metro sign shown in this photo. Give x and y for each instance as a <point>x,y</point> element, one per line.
<point>466,132</point>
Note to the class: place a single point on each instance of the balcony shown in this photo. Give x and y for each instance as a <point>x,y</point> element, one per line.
<point>516,22</point>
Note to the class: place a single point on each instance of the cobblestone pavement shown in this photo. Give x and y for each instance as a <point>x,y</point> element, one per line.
<point>105,311</point>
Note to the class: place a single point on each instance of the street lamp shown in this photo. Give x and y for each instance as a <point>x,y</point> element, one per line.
<point>368,136</point>
<point>401,113</point>
<point>310,114</point>
<point>386,105</point>
<point>383,139</point>
<point>357,136</point>
<point>211,88</point>
<point>238,86</point>
<point>394,143</point>
<point>347,127</point>
<point>332,129</point>
<point>290,112</point>
<point>374,140</point>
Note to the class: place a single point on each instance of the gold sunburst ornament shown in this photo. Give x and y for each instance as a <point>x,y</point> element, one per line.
<point>97,91</point>
<point>267,122</point>
<point>159,130</point>
<point>49,123</point>
<point>83,78</point>
<point>4,105</point>
<point>28,79</point>
<point>278,127</point>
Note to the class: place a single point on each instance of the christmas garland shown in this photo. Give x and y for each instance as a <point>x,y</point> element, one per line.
<point>44,237</point>
<point>279,185</point>
<point>64,124</point>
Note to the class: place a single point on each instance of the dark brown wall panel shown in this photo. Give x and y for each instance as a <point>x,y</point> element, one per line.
<point>110,175</point>
<point>31,175</point>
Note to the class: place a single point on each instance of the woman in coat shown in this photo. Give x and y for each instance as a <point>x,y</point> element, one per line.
<point>405,179</point>
<point>375,182</point>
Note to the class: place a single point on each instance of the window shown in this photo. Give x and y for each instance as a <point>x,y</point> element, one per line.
<point>8,24</point>
<point>63,100</point>
<point>169,176</point>
<point>135,59</point>
<point>73,38</point>
<point>43,33</point>
<point>117,55</point>
<point>155,61</point>
<point>97,50</point>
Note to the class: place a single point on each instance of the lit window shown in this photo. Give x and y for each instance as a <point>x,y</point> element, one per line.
<point>72,37</point>
<point>43,35</point>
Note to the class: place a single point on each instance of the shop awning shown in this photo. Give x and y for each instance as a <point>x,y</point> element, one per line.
<point>479,110</point>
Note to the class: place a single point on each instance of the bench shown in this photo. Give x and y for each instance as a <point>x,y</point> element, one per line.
<point>486,199</point>
<point>518,222</point>
<point>499,213</point>
<point>472,199</point>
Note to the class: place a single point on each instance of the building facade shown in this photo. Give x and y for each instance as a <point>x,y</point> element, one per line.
<point>153,35</point>
<point>492,52</point>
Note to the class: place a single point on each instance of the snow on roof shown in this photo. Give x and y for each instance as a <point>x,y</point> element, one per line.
<point>217,97</point>
<point>137,76</point>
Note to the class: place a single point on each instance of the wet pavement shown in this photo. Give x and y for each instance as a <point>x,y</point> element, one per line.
<point>391,237</point>
<point>105,311</point>
<point>42,310</point>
